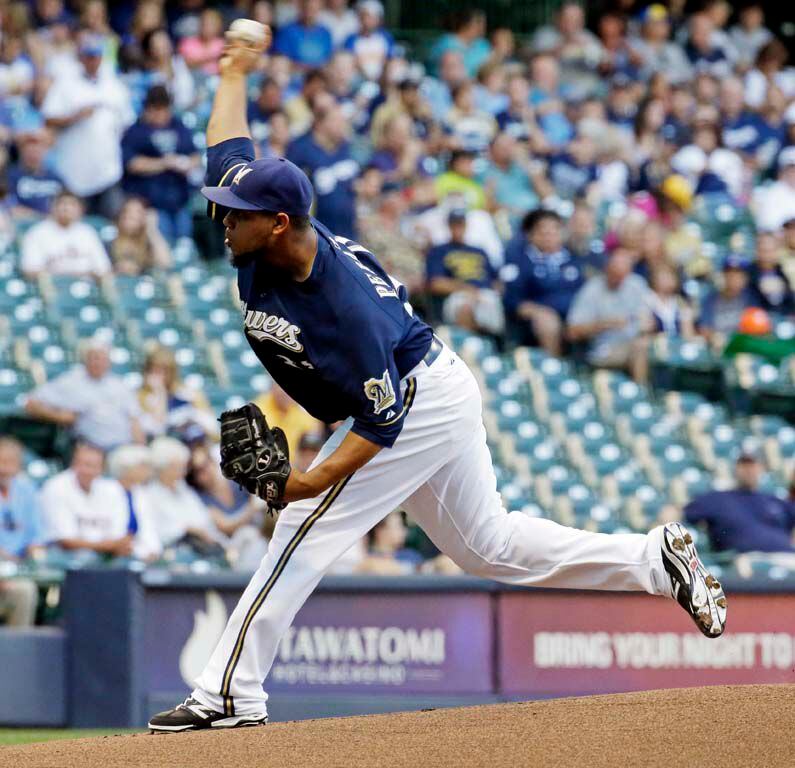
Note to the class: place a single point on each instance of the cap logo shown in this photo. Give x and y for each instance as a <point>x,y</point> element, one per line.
<point>240,175</point>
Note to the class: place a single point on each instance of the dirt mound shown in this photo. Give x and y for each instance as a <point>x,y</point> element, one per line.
<point>718,726</point>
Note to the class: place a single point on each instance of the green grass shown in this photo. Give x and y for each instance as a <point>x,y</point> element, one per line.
<point>27,735</point>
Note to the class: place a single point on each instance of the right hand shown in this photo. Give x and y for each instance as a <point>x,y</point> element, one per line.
<point>241,57</point>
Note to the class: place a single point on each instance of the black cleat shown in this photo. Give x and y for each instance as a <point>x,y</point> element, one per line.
<point>193,716</point>
<point>693,587</point>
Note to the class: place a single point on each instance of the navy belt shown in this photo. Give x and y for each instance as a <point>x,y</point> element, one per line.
<point>433,351</point>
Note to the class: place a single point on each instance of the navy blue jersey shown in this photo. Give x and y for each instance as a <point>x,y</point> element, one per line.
<point>33,189</point>
<point>338,343</point>
<point>332,174</point>
<point>166,191</point>
<point>467,263</point>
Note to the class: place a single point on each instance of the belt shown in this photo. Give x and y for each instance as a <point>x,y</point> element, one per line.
<point>433,351</point>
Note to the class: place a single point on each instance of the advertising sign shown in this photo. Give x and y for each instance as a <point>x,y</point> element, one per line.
<point>396,643</point>
<point>557,643</point>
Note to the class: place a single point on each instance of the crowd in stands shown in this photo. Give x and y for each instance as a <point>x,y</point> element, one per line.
<point>537,189</point>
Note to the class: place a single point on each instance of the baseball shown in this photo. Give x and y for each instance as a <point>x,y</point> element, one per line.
<point>247,31</point>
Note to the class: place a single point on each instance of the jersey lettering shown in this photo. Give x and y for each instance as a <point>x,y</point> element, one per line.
<point>349,247</point>
<point>265,327</point>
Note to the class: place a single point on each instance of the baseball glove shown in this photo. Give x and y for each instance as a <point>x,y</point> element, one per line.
<point>254,455</point>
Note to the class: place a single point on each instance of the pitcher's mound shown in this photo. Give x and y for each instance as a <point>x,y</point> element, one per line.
<point>725,726</point>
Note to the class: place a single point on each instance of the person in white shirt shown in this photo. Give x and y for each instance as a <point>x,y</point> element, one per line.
<point>340,20</point>
<point>94,403</point>
<point>130,465</point>
<point>83,510</point>
<point>774,205</point>
<point>89,108</point>
<point>176,509</point>
<point>62,244</point>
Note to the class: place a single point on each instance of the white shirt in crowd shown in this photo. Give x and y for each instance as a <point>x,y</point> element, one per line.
<point>87,154</point>
<point>71,513</point>
<point>105,407</point>
<point>174,512</point>
<point>773,205</point>
<point>102,513</point>
<point>73,250</point>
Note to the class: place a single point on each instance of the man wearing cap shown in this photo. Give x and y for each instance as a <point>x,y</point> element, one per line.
<point>159,154</point>
<point>372,44</point>
<point>338,334</point>
<point>89,108</point>
<point>655,48</point>
<point>722,308</point>
<point>745,519</point>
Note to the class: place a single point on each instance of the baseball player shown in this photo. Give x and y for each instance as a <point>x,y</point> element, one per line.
<point>337,333</point>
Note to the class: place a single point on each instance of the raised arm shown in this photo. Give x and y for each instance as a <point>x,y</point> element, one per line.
<point>228,117</point>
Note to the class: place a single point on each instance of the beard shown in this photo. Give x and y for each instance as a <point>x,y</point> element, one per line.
<point>240,260</point>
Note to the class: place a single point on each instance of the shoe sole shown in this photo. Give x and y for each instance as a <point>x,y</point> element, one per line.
<point>699,592</point>
<point>239,721</point>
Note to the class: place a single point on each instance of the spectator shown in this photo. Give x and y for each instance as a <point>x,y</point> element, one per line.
<point>130,466</point>
<point>275,143</point>
<point>682,242</point>
<point>721,309</point>
<point>85,511</point>
<point>547,99</point>
<point>139,246</point>
<point>305,41</point>
<point>490,96</point>
<point>775,204</point>
<point>308,450</point>
<point>668,313</point>
<point>657,52</point>
<point>745,519</point>
<point>514,185</point>
<point>371,45</point>
<point>438,92</point>
<point>463,279</point>
<point>340,20</point>
<point>769,73</point>
<point>788,250</point>
<point>17,73</point>
<point>466,39</point>
<point>767,280</point>
<point>469,128</point>
<point>30,182</point>
<point>159,157</point>
<point>577,49</point>
<point>230,506</point>
<point>166,404</point>
<point>701,49</point>
<point>179,514</point>
<point>541,279</point>
<point>387,554</point>
<point>518,119</point>
<point>573,172</point>
<point>741,130</point>
<point>325,156</point>
<point>398,153</point>
<point>459,180</point>
<point>202,51</point>
<point>380,230</point>
<point>609,314</point>
<point>89,107</point>
<point>409,102</point>
<point>20,534</point>
<point>63,244</point>
<point>161,66</point>
<point>92,402</point>
<point>299,108</point>
<point>281,410</point>
<point>262,109</point>
<point>583,242</point>
<point>749,34</point>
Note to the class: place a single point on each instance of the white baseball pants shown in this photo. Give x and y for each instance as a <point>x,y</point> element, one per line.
<point>440,471</point>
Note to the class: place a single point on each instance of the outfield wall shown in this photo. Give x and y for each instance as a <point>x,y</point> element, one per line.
<point>133,641</point>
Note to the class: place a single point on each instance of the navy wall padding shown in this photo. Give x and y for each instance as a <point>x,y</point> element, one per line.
<point>103,618</point>
<point>33,664</point>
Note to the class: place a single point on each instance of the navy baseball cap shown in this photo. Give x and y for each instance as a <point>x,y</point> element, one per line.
<point>268,184</point>
<point>735,261</point>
